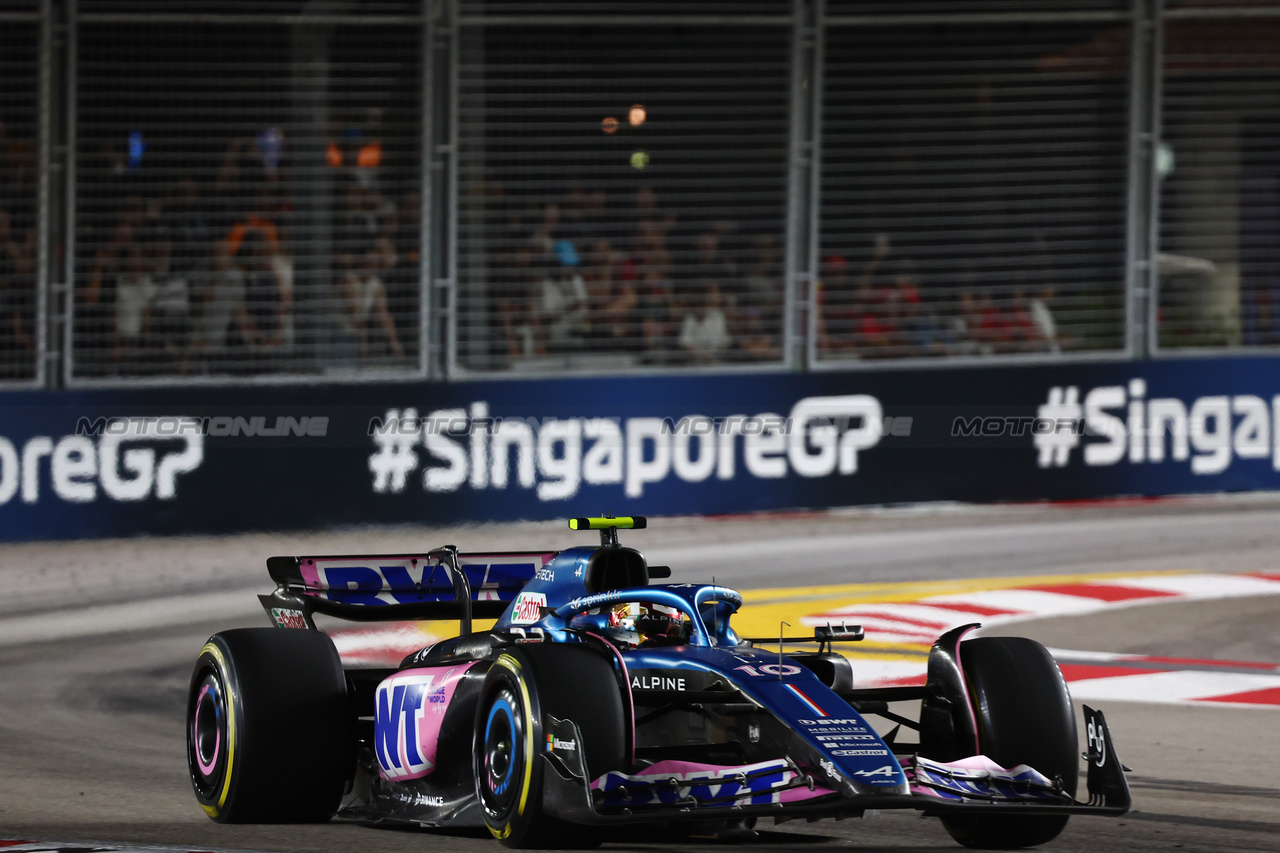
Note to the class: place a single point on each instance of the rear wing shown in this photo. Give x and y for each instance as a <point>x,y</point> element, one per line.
<point>439,584</point>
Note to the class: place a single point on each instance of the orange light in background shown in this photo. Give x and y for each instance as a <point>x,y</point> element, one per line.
<point>637,115</point>
<point>609,125</point>
<point>333,155</point>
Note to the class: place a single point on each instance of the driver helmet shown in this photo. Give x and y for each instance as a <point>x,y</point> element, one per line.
<point>640,624</point>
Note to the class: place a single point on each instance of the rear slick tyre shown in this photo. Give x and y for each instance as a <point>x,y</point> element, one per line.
<point>268,727</point>
<point>1024,716</point>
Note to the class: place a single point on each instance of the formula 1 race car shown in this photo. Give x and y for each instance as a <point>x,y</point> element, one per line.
<point>600,699</point>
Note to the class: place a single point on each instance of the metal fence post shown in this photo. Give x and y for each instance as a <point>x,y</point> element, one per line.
<point>446,145</point>
<point>426,249</point>
<point>1142,221</point>
<point>71,71</point>
<point>440,190</point>
<point>1155,64</point>
<point>310,91</point>
<point>43,218</point>
<point>817,73</point>
<point>799,308</point>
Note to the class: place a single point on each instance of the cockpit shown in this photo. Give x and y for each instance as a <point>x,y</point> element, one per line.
<point>622,608</point>
<point>663,616</point>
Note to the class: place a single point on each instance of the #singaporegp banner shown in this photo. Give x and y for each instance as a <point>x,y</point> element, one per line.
<point>119,463</point>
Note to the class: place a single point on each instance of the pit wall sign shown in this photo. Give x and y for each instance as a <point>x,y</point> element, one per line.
<point>212,460</point>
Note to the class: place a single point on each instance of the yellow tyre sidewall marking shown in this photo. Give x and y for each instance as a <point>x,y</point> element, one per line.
<point>509,663</point>
<point>216,653</point>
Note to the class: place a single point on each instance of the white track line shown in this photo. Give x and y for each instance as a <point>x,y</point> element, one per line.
<point>1177,687</point>
<point>1205,586</point>
<point>1032,602</point>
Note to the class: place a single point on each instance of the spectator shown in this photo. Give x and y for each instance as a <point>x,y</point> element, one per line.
<point>650,217</point>
<point>95,297</point>
<point>222,306</point>
<point>993,331</point>
<point>134,292</point>
<point>704,334</point>
<point>597,220</point>
<point>403,282</point>
<point>562,305</point>
<point>360,220</point>
<point>889,312</point>
<point>18,166</point>
<point>611,302</point>
<point>650,250</point>
<point>1042,316</point>
<point>871,318</point>
<point>358,149</point>
<point>965,322</point>
<point>879,255</point>
<point>657,313</point>
<point>171,307</point>
<point>923,333</point>
<point>267,299</point>
<point>571,222</point>
<point>837,306</point>
<point>861,320</point>
<point>232,184</point>
<point>188,225</point>
<point>763,280</point>
<point>1025,336</point>
<point>752,341</point>
<point>258,220</point>
<point>875,329</point>
<point>17,306</point>
<point>366,320</point>
<point>709,263</point>
<point>516,304</point>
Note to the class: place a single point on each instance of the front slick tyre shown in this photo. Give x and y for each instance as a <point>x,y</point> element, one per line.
<point>1024,717</point>
<point>268,727</point>
<point>566,681</point>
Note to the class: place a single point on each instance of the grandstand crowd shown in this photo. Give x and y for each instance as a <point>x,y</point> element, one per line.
<point>17,256</point>
<point>196,277</point>
<point>579,275</point>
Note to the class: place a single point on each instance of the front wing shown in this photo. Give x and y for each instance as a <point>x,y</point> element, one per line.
<point>784,789</point>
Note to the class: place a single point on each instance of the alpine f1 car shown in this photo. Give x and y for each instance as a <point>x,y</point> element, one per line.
<point>600,699</point>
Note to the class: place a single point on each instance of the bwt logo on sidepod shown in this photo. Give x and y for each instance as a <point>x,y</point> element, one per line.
<point>1124,424</point>
<point>142,459</point>
<point>820,437</point>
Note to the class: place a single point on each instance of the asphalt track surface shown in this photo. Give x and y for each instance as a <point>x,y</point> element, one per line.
<point>97,640</point>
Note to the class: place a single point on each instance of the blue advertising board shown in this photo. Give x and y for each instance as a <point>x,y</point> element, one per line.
<point>182,460</point>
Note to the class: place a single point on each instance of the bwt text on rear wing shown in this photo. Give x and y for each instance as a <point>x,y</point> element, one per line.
<point>438,584</point>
